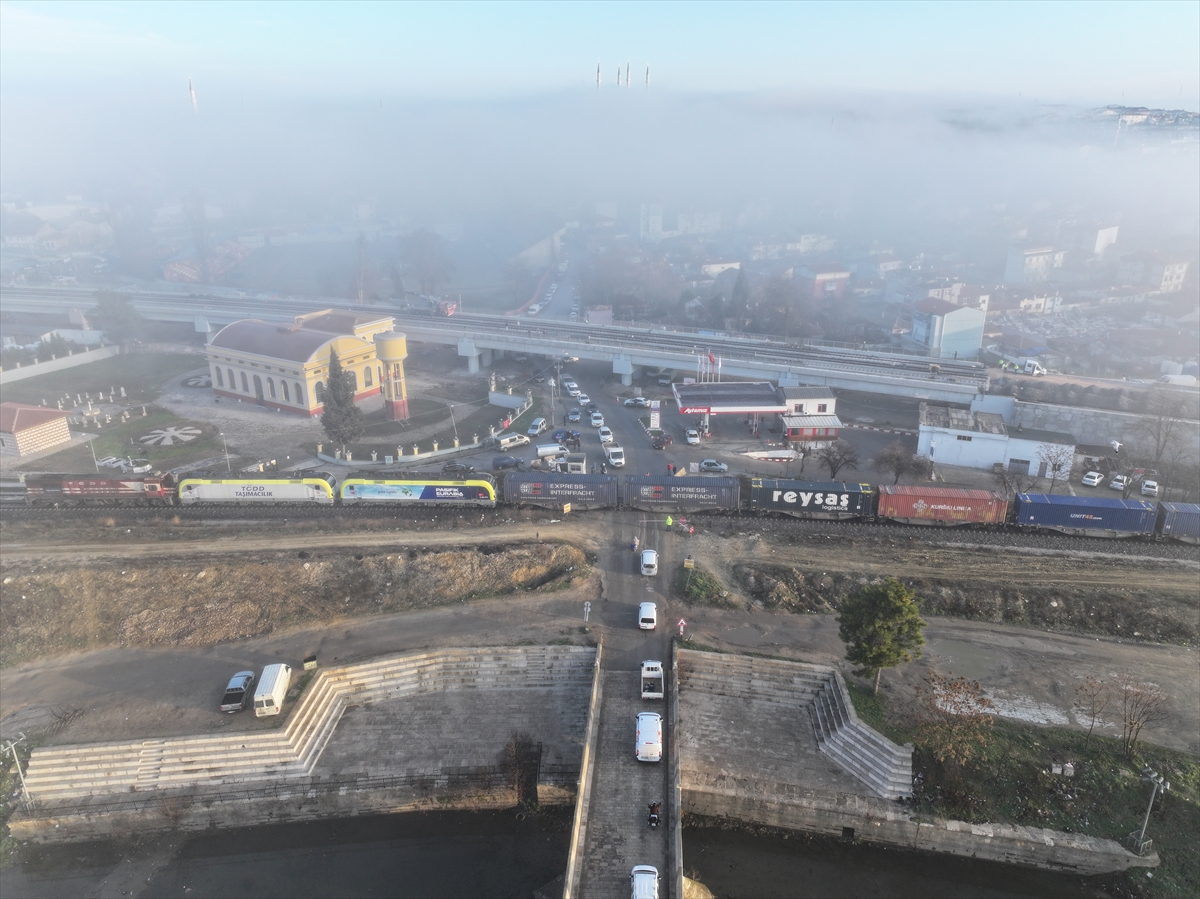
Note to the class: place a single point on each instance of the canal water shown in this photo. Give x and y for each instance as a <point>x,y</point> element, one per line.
<point>501,854</point>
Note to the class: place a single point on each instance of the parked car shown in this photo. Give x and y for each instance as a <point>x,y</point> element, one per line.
<point>1120,482</point>
<point>605,435</point>
<point>692,437</point>
<point>1149,488</point>
<point>597,420</point>
<point>574,415</point>
<point>237,692</point>
<point>714,466</point>
<point>499,463</point>
<point>1092,479</point>
<point>662,441</point>
<point>637,401</point>
<point>537,427</point>
<point>457,468</point>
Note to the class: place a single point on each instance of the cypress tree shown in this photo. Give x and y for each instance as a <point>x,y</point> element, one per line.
<point>342,420</point>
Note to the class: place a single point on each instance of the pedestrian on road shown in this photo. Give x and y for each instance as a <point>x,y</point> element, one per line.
<point>671,468</point>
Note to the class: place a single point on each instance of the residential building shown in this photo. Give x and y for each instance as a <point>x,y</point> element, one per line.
<point>28,429</point>
<point>947,331</point>
<point>1154,270</point>
<point>824,281</point>
<point>1030,264</point>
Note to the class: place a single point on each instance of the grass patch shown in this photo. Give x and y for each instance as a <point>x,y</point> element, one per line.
<point>141,374</point>
<point>123,440</point>
<point>698,586</point>
<point>1106,798</point>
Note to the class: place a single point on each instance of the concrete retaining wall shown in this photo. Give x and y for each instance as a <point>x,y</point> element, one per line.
<point>579,825</point>
<point>1095,426</point>
<point>9,375</point>
<point>844,815</point>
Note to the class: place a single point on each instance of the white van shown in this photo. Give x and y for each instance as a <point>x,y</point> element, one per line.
<point>615,455</point>
<point>512,441</point>
<point>272,688</point>
<point>649,562</point>
<point>545,450</point>
<point>649,739</point>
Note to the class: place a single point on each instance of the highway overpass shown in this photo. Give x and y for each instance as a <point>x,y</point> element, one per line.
<point>482,338</point>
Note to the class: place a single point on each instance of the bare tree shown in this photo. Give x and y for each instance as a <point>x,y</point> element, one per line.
<point>838,455</point>
<point>1142,704</point>
<point>1092,698</point>
<point>896,459</point>
<point>1160,425</point>
<point>1012,482</point>
<point>955,719</point>
<point>1058,459</point>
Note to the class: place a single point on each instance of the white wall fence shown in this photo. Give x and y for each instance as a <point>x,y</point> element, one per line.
<point>21,372</point>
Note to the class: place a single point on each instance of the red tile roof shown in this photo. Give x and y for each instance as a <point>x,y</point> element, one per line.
<point>19,417</point>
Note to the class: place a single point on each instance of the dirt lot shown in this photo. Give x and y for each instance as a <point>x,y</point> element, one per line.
<point>1038,620</point>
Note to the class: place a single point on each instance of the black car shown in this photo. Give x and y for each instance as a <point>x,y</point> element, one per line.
<point>662,441</point>
<point>457,468</point>
<point>499,463</point>
<point>592,407</point>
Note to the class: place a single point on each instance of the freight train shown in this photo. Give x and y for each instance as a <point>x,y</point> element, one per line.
<point>837,501</point>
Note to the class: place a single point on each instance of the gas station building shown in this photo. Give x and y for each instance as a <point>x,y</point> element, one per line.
<point>803,413</point>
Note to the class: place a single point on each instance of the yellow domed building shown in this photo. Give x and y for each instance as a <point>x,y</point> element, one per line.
<point>286,366</point>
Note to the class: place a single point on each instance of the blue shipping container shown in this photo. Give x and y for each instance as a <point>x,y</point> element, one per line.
<point>556,490</point>
<point>682,494</point>
<point>1091,515</point>
<point>811,499</point>
<point>1180,521</point>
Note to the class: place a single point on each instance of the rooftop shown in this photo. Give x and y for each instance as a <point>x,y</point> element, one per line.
<point>962,420</point>
<point>730,396</point>
<point>935,306</point>
<point>806,393</point>
<point>19,416</point>
<point>277,341</point>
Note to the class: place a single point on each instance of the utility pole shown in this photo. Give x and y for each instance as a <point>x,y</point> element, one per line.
<point>11,747</point>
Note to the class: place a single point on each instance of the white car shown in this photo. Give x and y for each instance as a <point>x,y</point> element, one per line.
<point>692,437</point>
<point>1149,488</point>
<point>649,562</point>
<point>605,435</point>
<point>573,389</point>
<point>648,742</point>
<point>637,401</point>
<point>647,616</point>
<point>643,882</point>
<point>584,399</point>
<point>1120,482</point>
<point>1092,479</point>
<point>597,420</point>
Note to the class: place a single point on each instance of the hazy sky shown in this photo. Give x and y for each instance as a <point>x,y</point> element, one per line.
<point>1143,53</point>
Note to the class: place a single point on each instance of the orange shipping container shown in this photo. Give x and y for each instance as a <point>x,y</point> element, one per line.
<point>941,506</point>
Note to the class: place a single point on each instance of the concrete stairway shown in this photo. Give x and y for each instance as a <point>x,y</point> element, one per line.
<point>69,772</point>
<point>883,766</point>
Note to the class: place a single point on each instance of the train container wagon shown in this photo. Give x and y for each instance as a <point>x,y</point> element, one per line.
<point>682,494</point>
<point>1179,521</point>
<point>582,491</point>
<point>945,506</point>
<point>449,492</point>
<point>1086,516</point>
<point>832,500</point>
<point>13,490</point>
<point>315,489</point>
<point>81,488</point>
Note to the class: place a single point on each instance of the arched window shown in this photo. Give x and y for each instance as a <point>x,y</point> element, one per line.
<point>353,379</point>
<point>319,391</point>
<point>287,398</point>
<point>258,390</point>
<point>300,400</point>
<point>220,377</point>
<point>232,382</point>
<point>367,376</point>
<point>271,387</point>
<point>245,384</point>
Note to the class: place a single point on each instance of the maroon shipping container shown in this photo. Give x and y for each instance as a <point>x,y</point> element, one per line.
<point>941,506</point>
<point>82,488</point>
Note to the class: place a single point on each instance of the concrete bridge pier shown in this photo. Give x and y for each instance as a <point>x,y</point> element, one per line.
<point>485,358</point>
<point>466,347</point>
<point>623,366</point>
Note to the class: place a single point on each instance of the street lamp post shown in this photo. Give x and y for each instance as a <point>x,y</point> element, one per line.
<point>932,450</point>
<point>1140,844</point>
<point>225,446</point>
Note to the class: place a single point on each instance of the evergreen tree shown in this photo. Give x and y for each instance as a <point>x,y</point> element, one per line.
<point>342,420</point>
<point>881,627</point>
